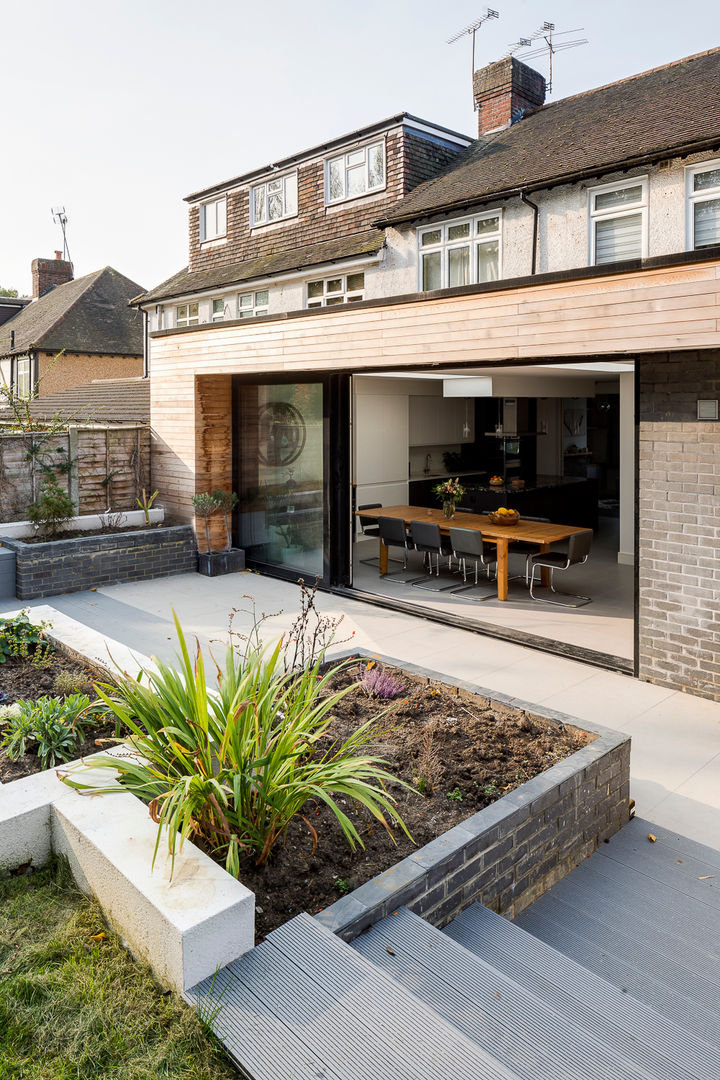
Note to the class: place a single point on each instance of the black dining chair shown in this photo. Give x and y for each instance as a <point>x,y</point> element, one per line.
<point>524,547</point>
<point>392,533</point>
<point>370,529</point>
<point>427,538</point>
<point>578,552</point>
<point>468,544</point>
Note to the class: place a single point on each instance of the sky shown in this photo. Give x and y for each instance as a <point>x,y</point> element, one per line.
<point>117,111</point>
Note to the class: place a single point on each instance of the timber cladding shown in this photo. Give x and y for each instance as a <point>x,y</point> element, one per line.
<point>679,560</point>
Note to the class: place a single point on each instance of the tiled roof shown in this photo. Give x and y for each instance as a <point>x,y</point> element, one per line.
<point>675,108</point>
<point>109,401</point>
<point>87,315</point>
<point>280,262</point>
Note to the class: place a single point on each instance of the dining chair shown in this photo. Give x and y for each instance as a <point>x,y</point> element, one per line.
<point>427,538</point>
<point>577,553</point>
<point>370,529</point>
<point>469,544</point>
<point>524,547</point>
<point>392,533</point>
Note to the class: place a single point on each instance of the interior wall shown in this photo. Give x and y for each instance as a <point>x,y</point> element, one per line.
<point>626,552</point>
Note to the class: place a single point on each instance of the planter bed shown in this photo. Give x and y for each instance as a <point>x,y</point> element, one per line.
<point>60,566</point>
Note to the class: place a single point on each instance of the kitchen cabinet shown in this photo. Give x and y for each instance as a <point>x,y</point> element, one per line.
<point>438,421</point>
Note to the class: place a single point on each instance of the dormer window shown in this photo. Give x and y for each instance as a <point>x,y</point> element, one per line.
<point>356,172</point>
<point>274,200</point>
<point>213,219</point>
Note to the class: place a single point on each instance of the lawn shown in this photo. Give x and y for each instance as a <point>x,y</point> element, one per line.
<point>74,1005</point>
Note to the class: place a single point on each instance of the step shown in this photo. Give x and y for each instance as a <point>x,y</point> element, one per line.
<point>338,1016</point>
<point>625,973</point>
<point>640,1033</point>
<point>489,1007</point>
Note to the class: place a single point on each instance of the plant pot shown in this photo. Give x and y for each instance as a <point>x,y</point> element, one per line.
<point>215,563</point>
<point>449,509</point>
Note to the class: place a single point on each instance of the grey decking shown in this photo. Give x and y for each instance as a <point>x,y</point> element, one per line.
<point>609,976</point>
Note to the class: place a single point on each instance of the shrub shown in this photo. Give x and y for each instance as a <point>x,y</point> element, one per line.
<point>225,502</point>
<point>205,505</point>
<point>378,682</point>
<point>53,509</point>
<point>51,726</point>
<point>22,640</point>
<point>72,682</point>
<point>232,768</point>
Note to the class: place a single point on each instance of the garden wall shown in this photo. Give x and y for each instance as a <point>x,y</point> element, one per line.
<point>508,854</point>
<point>99,466</point>
<point>62,566</point>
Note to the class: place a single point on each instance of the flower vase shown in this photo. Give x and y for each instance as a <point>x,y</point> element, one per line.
<point>449,508</point>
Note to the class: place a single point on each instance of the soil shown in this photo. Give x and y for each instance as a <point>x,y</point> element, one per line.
<point>77,534</point>
<point>468,751</point>
<point>25,681</point>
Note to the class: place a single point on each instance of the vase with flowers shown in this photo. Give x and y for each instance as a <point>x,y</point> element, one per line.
<point>450,492</point>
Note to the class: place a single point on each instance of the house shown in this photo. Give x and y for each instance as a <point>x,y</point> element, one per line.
<point>104,401</point>
<point>86,319</point>
<point>539,303</point>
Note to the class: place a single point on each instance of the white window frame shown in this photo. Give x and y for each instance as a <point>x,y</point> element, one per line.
<point>190,318</point>
<point>254,309</point>
<point>473,241</point>
<point>23,379</point>
<point>218,316</point>
<point>256,221</point>
<point>693,196</point>
<point>344,295</point>
<point>365,147</point>
<point>213,219</point>
<point>616,212</point>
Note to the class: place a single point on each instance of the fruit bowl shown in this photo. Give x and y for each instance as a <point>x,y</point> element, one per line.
<point>496,481</point>
<point>504,516</point>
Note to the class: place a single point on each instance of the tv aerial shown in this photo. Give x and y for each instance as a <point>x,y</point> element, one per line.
<point>548,35</point>
<point>472,29</point>
<point>60,218</point>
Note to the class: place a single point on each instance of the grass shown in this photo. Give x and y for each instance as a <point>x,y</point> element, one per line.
<point>74,1005</point>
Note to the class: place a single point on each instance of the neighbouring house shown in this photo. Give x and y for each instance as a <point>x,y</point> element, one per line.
<point>10,306</point>
<point>538,304</point>
<point>105,401</point>
<point>87,320</point>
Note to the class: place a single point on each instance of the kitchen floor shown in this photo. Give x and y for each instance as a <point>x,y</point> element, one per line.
<point>605,625</point>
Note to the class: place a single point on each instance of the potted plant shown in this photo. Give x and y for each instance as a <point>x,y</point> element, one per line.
<point>229,559</point>
<point>450,492</point>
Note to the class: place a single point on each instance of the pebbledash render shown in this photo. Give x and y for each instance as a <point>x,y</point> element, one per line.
<point>593,233</point>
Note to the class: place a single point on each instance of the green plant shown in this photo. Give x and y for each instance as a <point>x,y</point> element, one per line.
<point>51,726</point>
<point>205,506</point>
<point>232,768</point>
<point>225,502</point>
<point>22,640</point>
<point>53,509</point>
<point>456,794</point>
<point>146,503</point>
<point>491,788</point>
<point>71,682</point>
<point>343,885</point>
<point>449,490</point>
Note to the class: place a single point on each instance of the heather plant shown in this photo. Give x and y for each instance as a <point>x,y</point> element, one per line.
<point>378,682</point>
<point>52,727</point>
<point>72,682</point>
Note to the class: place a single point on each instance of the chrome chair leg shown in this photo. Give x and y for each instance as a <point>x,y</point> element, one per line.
<point>558,603</point>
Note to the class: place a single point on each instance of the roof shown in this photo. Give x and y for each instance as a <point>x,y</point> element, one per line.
<point>87,315</point>
<point>106,401</point>
<point>281,262</point>
<point>313,151</point>
<point>654,115</point>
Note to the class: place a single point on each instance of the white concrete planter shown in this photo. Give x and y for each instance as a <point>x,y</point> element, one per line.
<point>130,519</point>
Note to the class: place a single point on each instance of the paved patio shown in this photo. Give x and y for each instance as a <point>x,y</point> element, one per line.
<point>675,737</point>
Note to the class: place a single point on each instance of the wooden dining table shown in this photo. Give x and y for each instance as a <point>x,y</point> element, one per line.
<point>542,533</point>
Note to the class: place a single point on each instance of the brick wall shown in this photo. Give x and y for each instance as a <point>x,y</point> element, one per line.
<point>78,369</point>
<point>503,89</point>
<point>410,159</point>
<point>679,515</point>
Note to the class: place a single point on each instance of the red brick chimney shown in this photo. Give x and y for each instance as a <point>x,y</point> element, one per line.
<point>503,90</point>
<point>46,273</point>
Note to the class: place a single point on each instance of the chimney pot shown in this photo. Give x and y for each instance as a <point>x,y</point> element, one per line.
<point>58,254</point>
<point>504,89</point>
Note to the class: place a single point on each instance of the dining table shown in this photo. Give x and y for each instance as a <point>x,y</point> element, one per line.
<point>542,533</point>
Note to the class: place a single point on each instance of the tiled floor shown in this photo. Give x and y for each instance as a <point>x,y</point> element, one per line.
<point>605,625</point>
<point>676,737</point>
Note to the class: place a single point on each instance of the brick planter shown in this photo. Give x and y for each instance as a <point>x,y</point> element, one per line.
<point>508,854</point>
<point>86,562</point>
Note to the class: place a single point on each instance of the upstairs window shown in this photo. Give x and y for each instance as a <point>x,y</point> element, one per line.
<point>219,309</point>
<point>338,290</point>
<point>252,304</point>
<point>187,315</point>
<point>356,172</point>
<point>274,200</point>
<point>703,205</point>
<point>460,252</point>
<point>618,222</point>
<point>213,219</point>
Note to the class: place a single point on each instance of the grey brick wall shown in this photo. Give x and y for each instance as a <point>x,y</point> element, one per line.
<point>679,560</point>
<point>7,574</point>
<point>63,566</point>
<point>508,854</point>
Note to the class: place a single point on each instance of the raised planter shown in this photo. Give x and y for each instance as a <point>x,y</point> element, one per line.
<point>86,562</point>
<point>215,563</point>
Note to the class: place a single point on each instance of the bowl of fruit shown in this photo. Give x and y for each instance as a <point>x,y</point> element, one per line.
<point>504,516</point>
<point>496,481</point>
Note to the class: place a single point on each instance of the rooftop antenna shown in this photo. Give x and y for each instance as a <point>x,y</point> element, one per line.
<point>59,216</point>
<point>473,28</point>
<point>550,46</point>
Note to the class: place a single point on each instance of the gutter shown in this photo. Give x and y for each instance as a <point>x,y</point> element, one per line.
<point>534,207</point>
